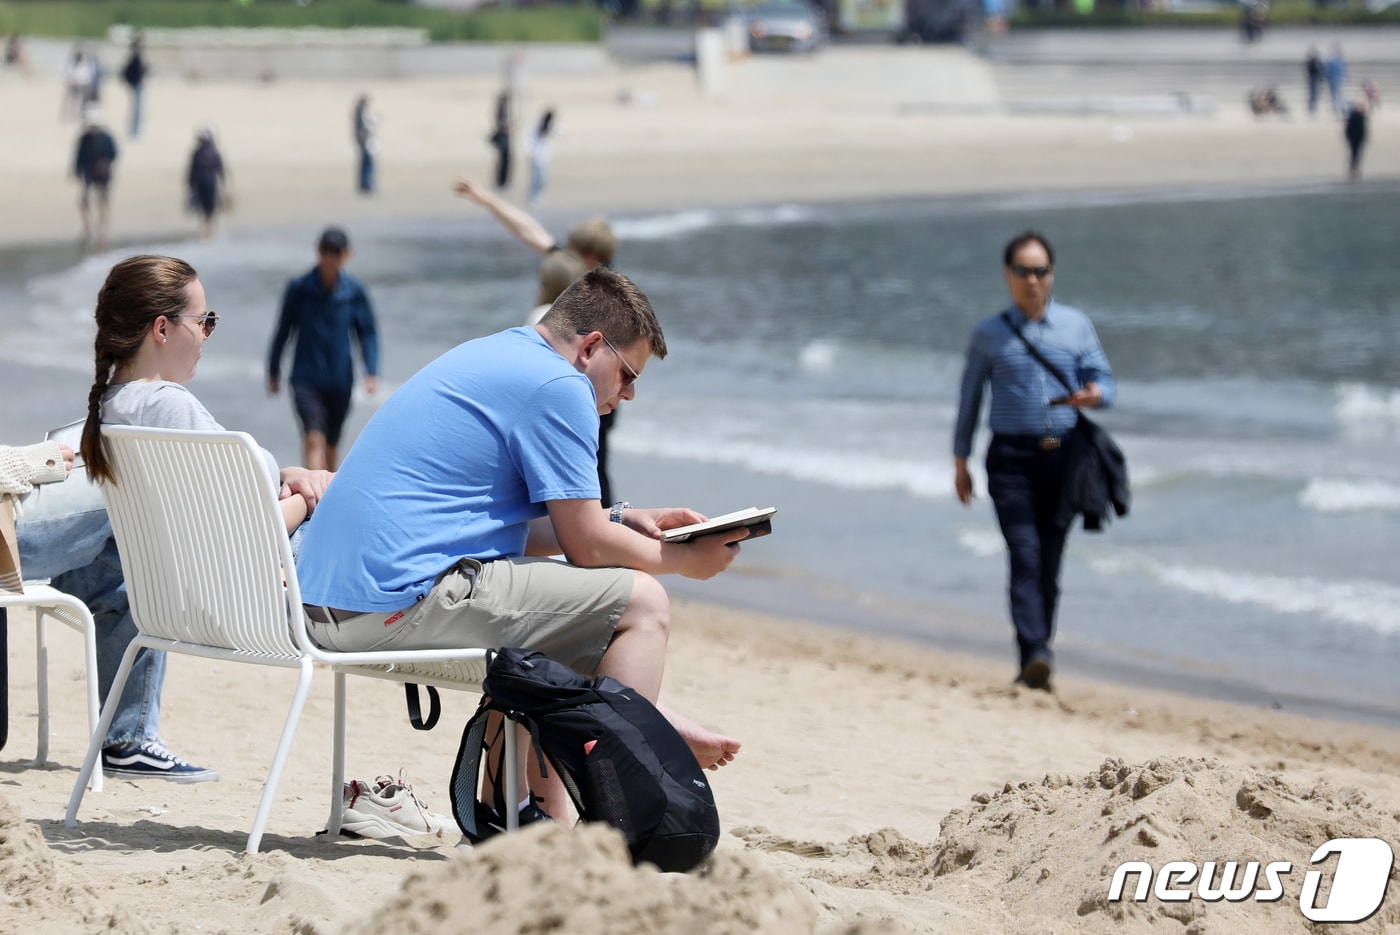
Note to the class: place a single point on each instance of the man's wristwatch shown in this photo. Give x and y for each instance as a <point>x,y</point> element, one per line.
<point>615,514</point>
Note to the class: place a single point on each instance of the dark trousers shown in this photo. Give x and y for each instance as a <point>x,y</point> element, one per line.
<point>1025,481</point>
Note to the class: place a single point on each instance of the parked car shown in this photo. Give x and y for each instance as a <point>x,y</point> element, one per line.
<point>794,26</point>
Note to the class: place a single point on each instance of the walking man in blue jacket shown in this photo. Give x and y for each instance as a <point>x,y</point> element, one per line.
<point>1031,419</point>
<point>323,308</point>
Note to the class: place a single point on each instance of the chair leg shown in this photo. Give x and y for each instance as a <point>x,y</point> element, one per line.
<point>41,644</point>
<point>284,746</point>
<point>109,711</point>
<point>337,760</point>
<point>90,660</point>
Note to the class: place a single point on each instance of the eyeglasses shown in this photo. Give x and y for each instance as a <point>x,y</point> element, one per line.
<point>1026,272</point>
<point>633,375</point>
<point>207,321</point>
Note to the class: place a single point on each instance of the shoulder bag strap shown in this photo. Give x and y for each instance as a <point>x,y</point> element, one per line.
<point>1035,352</point>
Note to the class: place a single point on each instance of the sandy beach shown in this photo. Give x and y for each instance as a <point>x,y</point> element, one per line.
<point>883,786</point>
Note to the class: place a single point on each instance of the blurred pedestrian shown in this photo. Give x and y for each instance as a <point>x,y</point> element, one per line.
<point>207,181</point>
<point>77,84</point>
<point>1316,75</point>
<point>1336,70</point>
<point>16,55</point>
<point>365,141</point>
<point>134,74</point>
<point>92,166</point>
<point>500,140</point>
<point>1355,133</point>
<point>541,152</point>
<point>324,308</point>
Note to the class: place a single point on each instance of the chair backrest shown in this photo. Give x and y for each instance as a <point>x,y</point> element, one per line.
<point>203,543</point>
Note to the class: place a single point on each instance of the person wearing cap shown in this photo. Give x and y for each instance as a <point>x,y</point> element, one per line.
<point>92,165</point>
<point>323,308</point>
<point>205,179</point>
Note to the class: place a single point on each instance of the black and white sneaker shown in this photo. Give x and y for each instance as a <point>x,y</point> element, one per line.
<point>151,760</point>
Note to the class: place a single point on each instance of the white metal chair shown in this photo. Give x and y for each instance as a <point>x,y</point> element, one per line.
<point>48,602</point>
<point>209,572</point>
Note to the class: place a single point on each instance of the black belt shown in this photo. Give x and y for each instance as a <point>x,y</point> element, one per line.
<point>330,614</point>
<point>1040,442</point>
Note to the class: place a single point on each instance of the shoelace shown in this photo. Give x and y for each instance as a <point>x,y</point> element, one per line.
<point>158,749</point>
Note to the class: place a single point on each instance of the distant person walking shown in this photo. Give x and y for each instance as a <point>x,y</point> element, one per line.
<point>134,74</point>
<point>77,84</point>
<point>541,152</point>
<point>500,140</point>
<point>1355,133</point>
<point>1336,68</point>
<point>1031,419</point>
<point>323,309</point>
<point>366,142</point>
<point>1316,74</point>
<point>92,166</point>
<point>206,181</point>
<point>16,57</point>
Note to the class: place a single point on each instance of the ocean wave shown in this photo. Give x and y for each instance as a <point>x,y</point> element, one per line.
<point>680,223</point>
<point>853,471</point>
<point>1364,409</point>
<point>1368,604</point>
<point>1349,496</point>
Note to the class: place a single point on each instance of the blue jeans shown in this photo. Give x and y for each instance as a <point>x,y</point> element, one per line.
<point>366,170</point>
<point>1025,482</point>
<point>65,536</point>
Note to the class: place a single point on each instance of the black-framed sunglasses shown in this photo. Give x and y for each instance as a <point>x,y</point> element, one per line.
<point>208,321</point>
<point>1026,272</point>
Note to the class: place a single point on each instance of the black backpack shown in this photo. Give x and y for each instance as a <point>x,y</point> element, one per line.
<point>620,759</point>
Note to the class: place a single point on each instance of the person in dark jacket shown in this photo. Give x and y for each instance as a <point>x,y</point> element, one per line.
<point>324,308</point>
<point>1356,137</point>
<point>206,181</point>
<point>134,74</point>
<point>92,166</point>
<point>1032,419</point>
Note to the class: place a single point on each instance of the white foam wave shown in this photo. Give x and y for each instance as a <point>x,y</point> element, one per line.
<point>1340,496</point>
<point>1368,604</point>
<point>1362,408</point>
<point>849,470</point>
<point>981,541</point>
<point>680,223</point>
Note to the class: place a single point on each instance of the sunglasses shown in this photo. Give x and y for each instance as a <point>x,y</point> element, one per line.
<point>632,374</point>
<point>207,321</point>
<point>1026,272</point>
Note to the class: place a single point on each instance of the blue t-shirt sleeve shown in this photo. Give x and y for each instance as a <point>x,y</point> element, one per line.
<point>554,442</point>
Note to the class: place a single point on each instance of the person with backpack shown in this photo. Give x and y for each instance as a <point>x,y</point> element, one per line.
<point>92,166</point>
<point>134,74</point>
<point>439,528</point>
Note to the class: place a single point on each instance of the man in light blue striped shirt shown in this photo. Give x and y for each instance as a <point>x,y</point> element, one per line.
<point>1032,415</point>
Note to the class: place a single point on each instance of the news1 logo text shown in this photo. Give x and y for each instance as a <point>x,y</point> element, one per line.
<point>1358,886</point>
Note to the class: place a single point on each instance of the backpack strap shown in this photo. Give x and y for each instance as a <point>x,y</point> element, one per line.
<point>415,713</point>
<point>465,773</point>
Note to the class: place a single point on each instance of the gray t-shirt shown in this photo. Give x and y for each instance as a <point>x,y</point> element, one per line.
<point>165,405</point>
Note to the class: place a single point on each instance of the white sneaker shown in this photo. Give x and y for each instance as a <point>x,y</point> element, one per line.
<point>387,809</point>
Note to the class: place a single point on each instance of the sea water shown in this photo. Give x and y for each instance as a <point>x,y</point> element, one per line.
<point>815,355</point>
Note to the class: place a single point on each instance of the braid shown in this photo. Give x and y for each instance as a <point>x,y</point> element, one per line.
<point>98,467</point>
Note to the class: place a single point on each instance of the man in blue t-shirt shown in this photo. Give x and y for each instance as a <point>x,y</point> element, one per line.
<point>323,308</point>
<point>437,529</point>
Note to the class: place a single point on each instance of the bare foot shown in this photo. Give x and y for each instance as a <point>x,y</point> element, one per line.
<point>711,750</point>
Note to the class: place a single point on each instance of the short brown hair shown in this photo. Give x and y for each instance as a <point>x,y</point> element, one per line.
<point>593,238</point>
<point>607,301</point>
<point>558,270</point>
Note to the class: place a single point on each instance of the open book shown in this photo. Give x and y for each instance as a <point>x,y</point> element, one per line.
<point>757,519</point>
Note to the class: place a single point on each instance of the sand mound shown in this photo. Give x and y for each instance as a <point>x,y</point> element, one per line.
<point>553,879</point>
<point>1048,850</point>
